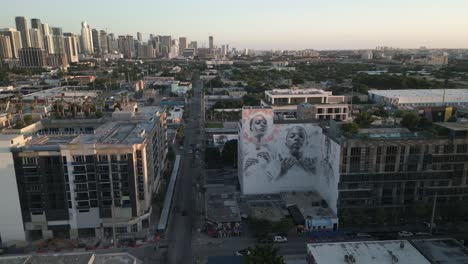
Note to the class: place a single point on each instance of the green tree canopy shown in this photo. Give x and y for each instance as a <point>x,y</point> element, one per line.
<point>410,120</point>
<point>264,254</point>
<point>364,119</point>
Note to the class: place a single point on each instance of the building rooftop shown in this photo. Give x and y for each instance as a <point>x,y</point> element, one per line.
<point>454,126</point>
<point>442,250</point>
<point>424,95</point>
<point>222,207</point>
<point>369,252</point>
<point>309,203</point>
<point>71,258</point>
<point>296,91</point>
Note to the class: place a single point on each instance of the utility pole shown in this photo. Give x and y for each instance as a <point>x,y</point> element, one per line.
<point>433,213</point>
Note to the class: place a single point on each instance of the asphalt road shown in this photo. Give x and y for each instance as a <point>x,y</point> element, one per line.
<point>179,233</point>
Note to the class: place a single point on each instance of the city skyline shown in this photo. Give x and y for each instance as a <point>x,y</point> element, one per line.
<point>362,24</point>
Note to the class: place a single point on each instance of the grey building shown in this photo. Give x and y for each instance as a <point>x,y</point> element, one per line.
<point>23,27</point>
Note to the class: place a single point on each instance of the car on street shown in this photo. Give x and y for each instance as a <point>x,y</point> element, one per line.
<point>422,233</point>
<point>181,148</point>
<point>363,235</point>
<point>280,239</point>
<point>405,234</point>
<point>243,252</point>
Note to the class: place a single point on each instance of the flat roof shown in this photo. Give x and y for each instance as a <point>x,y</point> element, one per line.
<point>308,203</point>
<point>442,250</point>
<point>222,207</point>
<point>71,258</point>
<point>294,91</point>
<point>424,95</point>
<point>369,252</point>
<point>454,126</point>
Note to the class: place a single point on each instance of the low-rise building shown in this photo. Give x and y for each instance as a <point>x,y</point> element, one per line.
<point>371,252</point>
<point>420,97</point>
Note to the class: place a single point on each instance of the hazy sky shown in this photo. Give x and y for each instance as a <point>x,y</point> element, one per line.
<point>264,24</point>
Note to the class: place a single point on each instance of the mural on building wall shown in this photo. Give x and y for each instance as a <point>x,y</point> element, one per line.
<point>287,157</point>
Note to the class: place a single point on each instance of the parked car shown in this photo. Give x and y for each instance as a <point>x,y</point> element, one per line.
<point>181,148</point>
<point>243,252</point>
<point>405,234</point>
<point>363,235</point>
<point>422,234</point>
<point>280,239</point>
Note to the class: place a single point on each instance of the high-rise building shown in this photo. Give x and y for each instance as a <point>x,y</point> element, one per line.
<point>58,39</point>
<point>112,42</point>
<point>5,48</point>
<point>165,46</point>
<point>89,185</point>
<point>32,58</point>
<point>15,40</point>
<point>37,41</point>
<point>193,45</point>
<point>146,51</point>
<point>86,39</point>
<point>71,47</point>
<point>211,43</point>
<point>23,27</point>
<point>96,40</point>
<point>103,42</point>
<point>174,49</point>
<point>48,39</point>
<point>139,36</point>
<point>126,46</point>
<point>183,44</point>
<point>45,29</point>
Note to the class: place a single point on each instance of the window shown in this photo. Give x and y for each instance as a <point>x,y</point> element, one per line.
<point>134,228</point>
<point>78,159</point>
<point>123,157</point>
<point>121,229</point>
<point>113,158</point>
<point>103,158</point>
<point>30,160</point>
<point>462,148</point>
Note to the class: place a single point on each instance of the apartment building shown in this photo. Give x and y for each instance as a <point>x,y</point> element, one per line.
<point>90,184</point>
<point>396,168</point>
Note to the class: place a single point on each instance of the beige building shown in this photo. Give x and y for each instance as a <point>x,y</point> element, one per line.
<point>94,182</point>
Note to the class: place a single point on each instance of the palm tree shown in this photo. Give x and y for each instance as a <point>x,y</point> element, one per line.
<point>264,254</point>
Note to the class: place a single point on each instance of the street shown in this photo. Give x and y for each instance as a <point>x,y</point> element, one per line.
<point>179,233</point>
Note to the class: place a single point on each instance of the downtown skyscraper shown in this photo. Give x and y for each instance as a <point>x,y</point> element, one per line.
<point>86,39</point>
<point>23,27</point>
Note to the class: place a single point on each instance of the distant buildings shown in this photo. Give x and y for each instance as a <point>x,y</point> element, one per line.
<point>420,97</point>
<point>23,27</point>
<point>367,55</point>
<point>71,47</point>
<point>86,39</point>
<point>14,38</point>
<point>32,58</point>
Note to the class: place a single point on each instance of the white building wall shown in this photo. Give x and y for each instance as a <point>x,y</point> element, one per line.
<point>11,220</point>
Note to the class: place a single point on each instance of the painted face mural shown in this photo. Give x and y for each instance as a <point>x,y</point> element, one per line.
<point>258,126</point>
<point>295,140</point>
<point>280,157</point>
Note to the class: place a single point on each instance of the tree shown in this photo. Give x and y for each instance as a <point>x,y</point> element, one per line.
<point>410,120</point>
<point>356,99</point>
<point>229,154</point>
<point>364,119</point>
<point>264,254</point>
<point>350,129</point>
<point>28,119</point>
<point>260,227</point>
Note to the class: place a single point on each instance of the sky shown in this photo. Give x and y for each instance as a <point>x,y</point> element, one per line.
<point>264,24</point>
